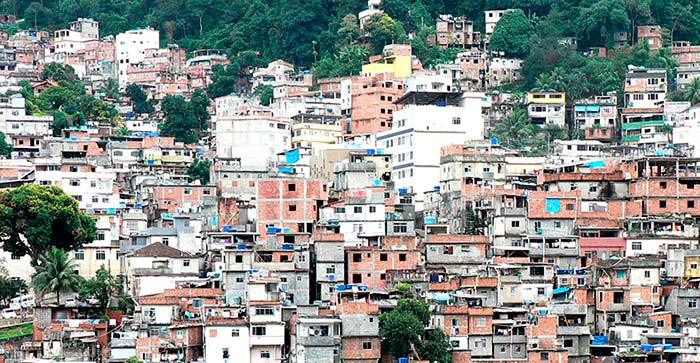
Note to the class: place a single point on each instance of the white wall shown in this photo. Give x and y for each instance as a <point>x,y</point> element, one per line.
<point>255,140</point>
<point>215,343</point>
<point>131,46</point>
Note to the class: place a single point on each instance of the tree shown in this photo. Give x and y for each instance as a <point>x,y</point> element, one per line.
<point>55,273</point>
<point>199,170</point>
<point>5,148</point>
<point>384,30</point>
<point>515,129</point>
<point>103,286</point>
<point>111,89</point>
<point>692,91</point>
<point>180,120</point>
<point>512,35</point>
<point>58,72</point>
<point>419,308</point>
<point>347,62</point>
<point>199,103</point>
<point>265,94</point>
<point>599,22</point>
<point>34,219</point>
<point>10,288</point>
<point>223,79</point>
<point>401,332</point>
<point>139,99</point>
<point>436,347</point>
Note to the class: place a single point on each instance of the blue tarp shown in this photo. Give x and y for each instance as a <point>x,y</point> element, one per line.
<point>599,340</point>
<point>595,164</point>
<point>440,296</point>
<point>560,290</point>
<point>292,156</point>
<point>285,169</point>
<point>552,205</point>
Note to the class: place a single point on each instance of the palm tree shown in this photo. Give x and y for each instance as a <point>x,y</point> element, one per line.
<point>111,89</point>
<point>516,129</point>
<point>542,83</point>
<point>56,273</point>
<point>692,91</point>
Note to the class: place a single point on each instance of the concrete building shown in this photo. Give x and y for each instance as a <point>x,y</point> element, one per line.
<point>547,108</point>
<point>455,31</point>
<point>131,49</point>
<point>254,141</point>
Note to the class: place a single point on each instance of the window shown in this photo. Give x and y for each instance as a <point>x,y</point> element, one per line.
<point>180,333</point>
<point>662,204</point>
<point>662,185</point>
<point>291,187</point>
<point>481,321</point>
<point>540,291</point>
<point>568,343</point>
<point>660,323</point>
<point>647,273</point>
<point>515,224</point>
<point>693,303</point>
<point>569,206</point>
<point>75,183</point>
<point>356,257</point>
<point>165,241</point>
<point>637,246</point>
<point>466,249</point>
<point>373,209</point>
<point>557,224</point>
<point>400,228</point>
<point>456,121</point>
<point>402,257</point>
<point>79,255</point>
<point>186,263</point>
<point>693,265</point>
<point>239,258</point>
<point>330,269</point>
<point>383,257</point>
<point>259,330</point>
<point>544,356</point>
<point>340,209</point>
<point>292,207</point>
<point>366,345</point>
<point>16,257</point>
<point>691,204</point>
<point>265,354</point>
<point>357,209</point>
<point>264,311</point>
<point>100,255</point>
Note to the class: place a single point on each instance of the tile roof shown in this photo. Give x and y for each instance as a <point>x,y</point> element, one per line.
<point>160,250</point>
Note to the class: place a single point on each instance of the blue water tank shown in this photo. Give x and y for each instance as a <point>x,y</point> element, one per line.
<point>403,360</point>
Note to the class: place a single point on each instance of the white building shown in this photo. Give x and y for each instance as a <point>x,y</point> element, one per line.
<point>372,8</point>
<point>131,47</point>
<point>491,18</point>
<point>428,121</point>
<point>153,269</point>
<point>94,190</point>
<point>226,341</point>
<point>254,141</point>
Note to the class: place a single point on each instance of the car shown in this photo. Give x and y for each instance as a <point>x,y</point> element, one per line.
<point>8,314</point>
<point>91,300</point>
<point>71,302</point>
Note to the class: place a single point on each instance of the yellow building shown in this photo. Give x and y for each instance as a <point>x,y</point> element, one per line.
<point>312,131</point>
<point>396,59</point>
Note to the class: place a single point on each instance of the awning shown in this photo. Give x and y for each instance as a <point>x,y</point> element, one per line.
<point>560,290</point>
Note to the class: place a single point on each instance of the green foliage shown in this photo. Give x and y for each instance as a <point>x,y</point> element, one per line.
<point>5,147</point>
<point>692,92</point>
<point>133,360</point>
<point>403,330</point>
<point>436,347</point>
<point>185,119</point>
<point>34,219</point>
<point>599,22</point>
<point>199,170</point>
<point>514,130</point>
<point>139,99</point>
<point>513,35</point>
<point>346,63</point>
<point>265,94</point>
<point>475,224</point>
<point>224,80</point>
<point>384,30</point>
<point>58,72</point>
<point>10,288</point>
<point>103,286</point>
<point>55,273</point>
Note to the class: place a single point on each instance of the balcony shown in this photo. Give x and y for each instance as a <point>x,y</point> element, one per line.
<point>318,341</point>
<point>573,330</point>
<point>509,339</point>
<point>625,306</point>
<point>152,271</point>
<point>536,250</point>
